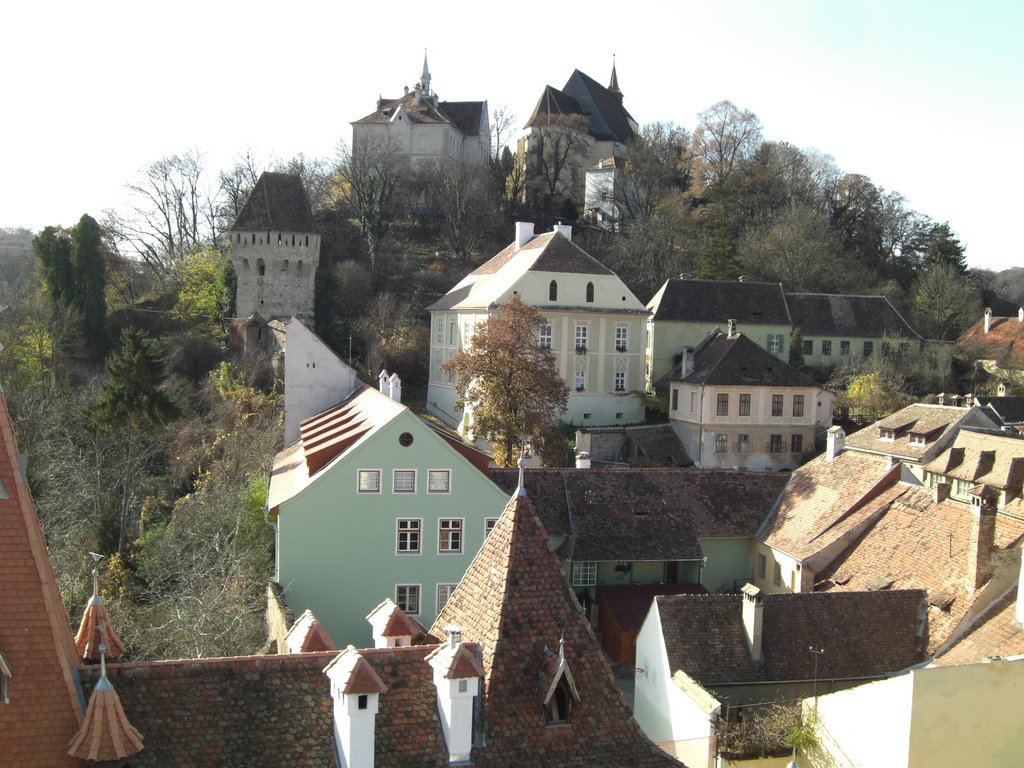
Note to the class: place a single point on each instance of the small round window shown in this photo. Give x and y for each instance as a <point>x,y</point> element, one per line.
<point>405,439</point>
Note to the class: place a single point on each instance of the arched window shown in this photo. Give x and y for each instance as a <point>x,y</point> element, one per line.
<point>553,291</point>
<point>590,293</point>
<point>245,265</point>
<point>559,706</point>
<point>261,267</point>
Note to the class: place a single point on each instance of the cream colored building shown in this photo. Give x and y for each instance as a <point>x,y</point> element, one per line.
<point>595,326</point>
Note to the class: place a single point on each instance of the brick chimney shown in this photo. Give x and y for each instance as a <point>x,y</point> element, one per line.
<point>524,233</point>
<point>687,362</point>
<point>753,618</point>
<point>835,442</point>
<point>942,492</point>
<point>982,537</point>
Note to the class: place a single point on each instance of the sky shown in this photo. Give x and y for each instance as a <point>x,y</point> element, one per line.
<point>923,97</point>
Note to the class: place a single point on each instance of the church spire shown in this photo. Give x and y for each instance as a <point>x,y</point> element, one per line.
<point>425,75</point>
<point>613,85</point>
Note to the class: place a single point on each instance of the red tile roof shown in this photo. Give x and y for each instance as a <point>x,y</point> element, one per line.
<point>996,633</point>
<point>45,708</point>
<point>95,630</point>
<point>106,733</point>
<point>1004,342</point>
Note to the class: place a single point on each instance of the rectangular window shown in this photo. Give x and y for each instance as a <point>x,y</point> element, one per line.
<point>439,481</point>
<point>451,334</point>
<point>693,402</point>
<point>620,381</point>
<point>439,332</point>
<point>581,337</point>
<point>798,405</point>
<point>777,577</point>
<point>826,348</point>
<point>584,574</point>
<point>807,347</point>
<point>775,444</point>
<point>621,337</point>
<point>409,537</point>
<point>407,597</point>
<point>762,566</point>
<point>675,399</point>
<point>580,380</point>
<point>721,443</point>
<point>545,335</point>
<point>776,405</point>
<point>743,443</point>
<point>449,534</point>
<point>774,343</point>
<point>489,524</point>
<point>744,405</point>
<point>844,347</point>
<point>796,444</point>
<point>369,481</point>
<point>404,481</point>
<point>869,347</point>
<point>444,594</point>
<point>723,404</point>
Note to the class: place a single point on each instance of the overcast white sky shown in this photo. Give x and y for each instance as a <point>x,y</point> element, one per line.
<point>923,97</point>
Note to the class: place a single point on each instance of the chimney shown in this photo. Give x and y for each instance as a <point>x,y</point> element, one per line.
<point>382,377</point>
<point>969,400</point>
<point>524,233</point>
<point>742,278</point>
<point>355,689</point>
<point>563,229</point>
<point>1020,315</point>
<point>1001,390</point>
<point>395,387</point>
<point>390,627</point>
<point>753,617</point>
<point>988,319</point>
<point>942,492</point>
<point>835,442</point>
<point>457,674</point>
<point>982,537</point>
<point>732,328</point>
<point>582,460</point>
<point>941,398</point>
<point>1018,616</point>
<point>687,362</point>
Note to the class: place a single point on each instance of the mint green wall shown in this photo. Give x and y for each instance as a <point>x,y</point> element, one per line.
<point>727,562</point>
<point>336,550</point>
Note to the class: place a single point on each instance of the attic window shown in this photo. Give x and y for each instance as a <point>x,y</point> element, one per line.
<point>5,675</point>
<point>559,706</point>
<point>917,439</point>
<point>886,434</point>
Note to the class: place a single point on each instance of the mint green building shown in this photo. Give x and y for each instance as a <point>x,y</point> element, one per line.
<point>372,502</point>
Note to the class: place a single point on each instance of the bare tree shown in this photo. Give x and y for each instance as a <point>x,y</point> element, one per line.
<point>457,191</point>
<point>657,167</point>
<point>726,136</point>
<point>502,122</point>
<point>555,160</point>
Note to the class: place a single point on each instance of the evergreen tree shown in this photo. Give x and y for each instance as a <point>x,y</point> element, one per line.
<point>52,247</point>
<point>90,281</point>
<point>796,349</point>
<point>132,396</point>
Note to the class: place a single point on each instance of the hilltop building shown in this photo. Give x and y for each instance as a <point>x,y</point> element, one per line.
<point>996,344</point>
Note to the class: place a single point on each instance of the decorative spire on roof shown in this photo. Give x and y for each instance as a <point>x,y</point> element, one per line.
<point>105,733</point>
<point>425,75</point>
<point>613,84</point>
<point>521,488</point>
<point>96,632</point>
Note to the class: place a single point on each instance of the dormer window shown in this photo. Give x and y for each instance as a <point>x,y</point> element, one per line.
<point>886,434</point>
<point>553,291</point>
<point>561,690</point>
<point>559,707</point>
<point>5,676</point>
<point>917,439</point>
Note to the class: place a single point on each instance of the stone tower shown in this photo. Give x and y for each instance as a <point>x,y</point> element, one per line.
<point>275,250</point>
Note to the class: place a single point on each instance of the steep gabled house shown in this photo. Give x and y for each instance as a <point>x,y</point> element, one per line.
<point>708,658</point>
<point>595,326</point>
<point>996,344</point>
<point>735,405</point>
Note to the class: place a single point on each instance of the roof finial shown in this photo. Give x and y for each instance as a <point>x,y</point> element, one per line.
<point>96,557</point>
<point>561,648</point>
<point>613,85</point>
<point>425,75</point>
<point>521,488</point>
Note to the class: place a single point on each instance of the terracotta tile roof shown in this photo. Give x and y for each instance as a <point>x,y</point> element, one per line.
<point>459,661</point>
<point>95,630</point>
<point>354,674</point>
<point>826,501</point>
<point>864,634</point>
<point>995,460</point>
<point>307,635</point>
<point>45,707</point>
<point>996,633</point>
<point>517,604</point>
<point>826,314</point>
<point>277,202</point>
<point>106,733</point>
<point>645,514</point>
<point>1004,342</point>
<point>930,421</point>
<point>715,302</point>
<point>417,112</point>
<point>721,359</point>
<point>920,544</point>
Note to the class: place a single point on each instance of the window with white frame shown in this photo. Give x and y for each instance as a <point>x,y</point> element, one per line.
<point>775,444</point>
<point>467,332</point>
<point>439,481</point>
<point>404,481</point>
<point>369,481</point>
<point>869,347</point>
<point>798,405</point>
<point>407,597</point>
<point>776,405</point>
<point>844,347</point>
<point>774,343</point>
<point>489,523</point>
<point>584,574</point>
<point>580,374</point>
<point>408,536</point>
<point>826,348</point>
<point>581,337</point>
<point>545,335</point>
<point>449,536</point>
<point>745,404</point>
<point>807,347</point>
<point>444,594</point>
<point>675,399</point>
<point>451,334</point>
<point>621,337</point>
<point>721,443</point>
<point>723,404</point>
<point>621,367</point>
<point>743,443</point>
<point>439,332</point>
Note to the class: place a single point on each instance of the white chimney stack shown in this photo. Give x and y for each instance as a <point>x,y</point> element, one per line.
<point>835,442</point>
<point>1020,315</point>
<point>355,689</point>
<point>731,324</point>
<point>988,319</point>
<point>382,377</point>
<point>582,460</point>
<point>395,387</point>
<point>457,674</point>
<point>687,362</point>
<point>524,233</point>
<point>563,229</point>
<point>753,619</point>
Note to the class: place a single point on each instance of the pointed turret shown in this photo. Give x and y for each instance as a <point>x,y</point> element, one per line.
<point>613,84</point>
<point>106,733</point>
<point>425,76</point>
<point>96,630</point>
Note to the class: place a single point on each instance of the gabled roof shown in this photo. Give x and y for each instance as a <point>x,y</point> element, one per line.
<point>932,422</point>
<point>1003,343</point>
<point>277,202</point>
<point>515,601</point>
<point>609,120</point>
<point>645,514</point>
<point>465,115</point>
<point>863,634</point>
<point>921,544</point>
<point>715,302</point>
<point>553,102</point>
<point>308,635</point>
<point>736,360</point>
<point>552,252</point>
<point>827,501</point>
<point>995,634</point>
<point>1010,410</point>
<point>45,707</point>
<point>994,460</point>
<point>828,314</point>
